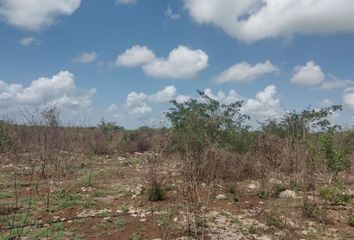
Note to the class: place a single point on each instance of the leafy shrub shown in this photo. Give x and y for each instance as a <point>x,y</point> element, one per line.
<point>274,220</point>
<point>125,208</point>
<point>263,194</point>
<point>351,220</point>
<point>4,137</point>
<point>156,192</point>
<point>64,199</point>
<point>336,157</point>
<point>165,218</point>
<point>196,122</point>
<point>278,188</point>
<point>314,212</point>
<point>135,236</point>
<point>120,223</point>
<point>332,194</point>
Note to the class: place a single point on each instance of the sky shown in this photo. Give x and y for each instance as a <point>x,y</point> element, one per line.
<point>125,60</point>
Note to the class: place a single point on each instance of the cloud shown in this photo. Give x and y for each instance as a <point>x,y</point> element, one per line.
<point>112,108</point>
<point>135,56</point>
<point>327,102</point>
<point>231,97</point>
<point>182,98</point>
<point>35,15</point>
<point>308,75</point>
<point>86,57</point>
<point>253,20</point>
<point>137,103</point>
<point>348,98</point>
<point>245,73</point>
<point>263,106</point>
<point>312,75</point>
<point>59,90</point>
<point>164,95</point>
<point>334,83</point>
<point>27,41</point>
<point>141,109</point>
<point>135,98</point>
<point>181,63</point>
<point>117,2</point>
<point>168,13</point>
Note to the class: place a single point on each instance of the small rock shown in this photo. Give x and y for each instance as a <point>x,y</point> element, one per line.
<point>252,186</point>
<point>287,194</point>
<point>138,190</point>
<point>107,219</point>
<point>221,197</point>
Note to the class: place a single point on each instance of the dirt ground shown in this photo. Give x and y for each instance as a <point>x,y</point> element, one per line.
<point>109,200</point>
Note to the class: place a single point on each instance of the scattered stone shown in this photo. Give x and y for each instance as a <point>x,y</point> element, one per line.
<point>252,186</point>
<point>221,197</point>
<point>138,190</point>
<point>309,231</point>
<point>84,189</point>
<point>287,194</point>
<point>107,219</point>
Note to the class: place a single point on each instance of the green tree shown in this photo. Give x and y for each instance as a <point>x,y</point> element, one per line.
<point>197,123</point>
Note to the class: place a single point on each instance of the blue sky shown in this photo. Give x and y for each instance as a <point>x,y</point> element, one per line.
<point>124,60</point>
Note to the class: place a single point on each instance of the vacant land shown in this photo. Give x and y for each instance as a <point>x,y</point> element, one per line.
<point>208,176</point>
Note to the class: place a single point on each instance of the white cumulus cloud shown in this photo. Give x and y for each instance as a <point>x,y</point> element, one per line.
<point>35,15</point>
<point>311,74</point>
<point>165,95</point>
<point>308,75</point>
<point>253,20</point>
<point>348,98</point>
<point>334,82</point>
<point>181,63</point>
<point>263,106</point>
<point>59,90</point>
<point>135,98</point>
<point>244,72</point>
<point>137,103</point>
<point>135,56</point>
<point>182,98</point>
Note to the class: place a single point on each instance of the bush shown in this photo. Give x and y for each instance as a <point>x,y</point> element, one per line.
<point>314,212</point>
<point>351,220</point>
<point>336,157</point>
<point>333,195</point>
<point>4,137</point>
<point>196,123</point>
<point>156,192</point>
<point>277,189</point>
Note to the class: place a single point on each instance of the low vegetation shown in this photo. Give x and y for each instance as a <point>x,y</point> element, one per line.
<point>210,174</point>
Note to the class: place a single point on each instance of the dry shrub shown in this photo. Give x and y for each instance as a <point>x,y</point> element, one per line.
<point>156,160</point>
